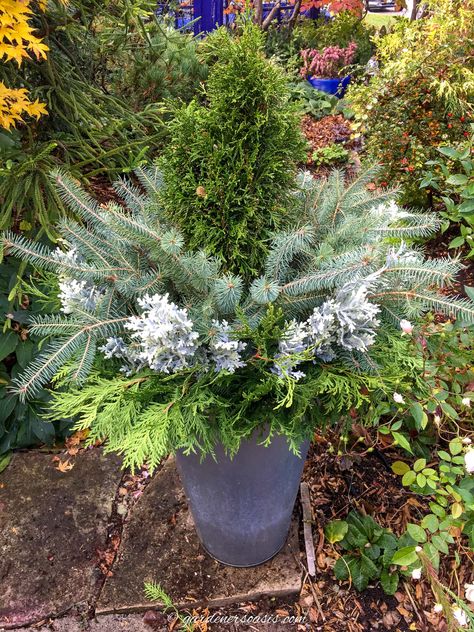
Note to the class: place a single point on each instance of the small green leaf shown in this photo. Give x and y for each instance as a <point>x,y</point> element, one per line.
<point>402,441</point>
<point>432,553</point>
<point>444,455</point>
<point>419,465</point>
<point>416,532</point>
<point>456,242</point>
<point>335,531</point>
<point>455,446</point>
<point>389,581</point>
<point>8,343</point>
<point>418,415</point>
<point>400,468</point>
<point>405,556</point>
<point>421,480</point>
<point>440,544</point>
<point>437,510</point>
<point>430,522</point>
<point>342,567</point>
<point>408,478</point>
<point>450,152</point>
<point>5,460</point>
<point>449,410</point>
<point>467,207</point>
<point>368,567</point>
<point>458,179</point>
<point>24,353</point>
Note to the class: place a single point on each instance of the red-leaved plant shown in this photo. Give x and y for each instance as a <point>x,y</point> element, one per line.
<point>328,63</point>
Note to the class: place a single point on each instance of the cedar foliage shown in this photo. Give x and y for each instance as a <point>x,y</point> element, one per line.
<point>230,164</point>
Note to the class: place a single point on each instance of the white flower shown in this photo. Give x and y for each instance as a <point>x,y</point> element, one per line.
<point>466,401</point>
<point>437,420</point>
<point>418,549</point>
<point>467,441</point>
<point>398,398</point>
<point>469,590</point>
<point>416,573</point>
<point>406,326</point>
<point>460,616</point>
<point>438,608</point>
<point>469,461</point>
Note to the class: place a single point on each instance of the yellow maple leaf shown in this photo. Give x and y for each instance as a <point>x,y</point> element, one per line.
<point>17,42</point>
<point>38,49</point>
<point>36,109</point>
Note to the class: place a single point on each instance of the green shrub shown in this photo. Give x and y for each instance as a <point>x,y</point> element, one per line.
<point>423,96</point>
<point>450,180</point>
<point>438,399</point>
<point>91,131</point>
<point>230,165</point>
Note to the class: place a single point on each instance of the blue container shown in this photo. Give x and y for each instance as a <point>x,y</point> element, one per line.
<point>336,87</point>
<point>242,507</point>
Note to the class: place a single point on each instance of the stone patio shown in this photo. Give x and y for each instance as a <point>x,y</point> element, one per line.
<point>53,523</point>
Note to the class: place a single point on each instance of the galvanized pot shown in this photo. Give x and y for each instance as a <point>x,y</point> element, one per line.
<point>242,507</point>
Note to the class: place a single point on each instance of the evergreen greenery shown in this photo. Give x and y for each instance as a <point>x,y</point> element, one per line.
<point>131,270</point>
<point>152,64</point>
<point>20,422</point>
<point>231,162</point>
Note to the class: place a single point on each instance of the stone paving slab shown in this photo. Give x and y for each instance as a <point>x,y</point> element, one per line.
<point>110,623</point>
<point>151,622</point>
<point>160,544</point>
<point>51,524</point>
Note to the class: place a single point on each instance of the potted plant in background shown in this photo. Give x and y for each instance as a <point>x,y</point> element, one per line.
<point>163,347</point>
<point>326,69</point>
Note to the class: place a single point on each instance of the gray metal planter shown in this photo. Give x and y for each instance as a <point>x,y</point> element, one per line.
<point>242,507</point>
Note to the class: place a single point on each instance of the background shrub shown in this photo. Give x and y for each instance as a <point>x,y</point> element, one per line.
<point>423,96</point>
<point>155,64</point>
